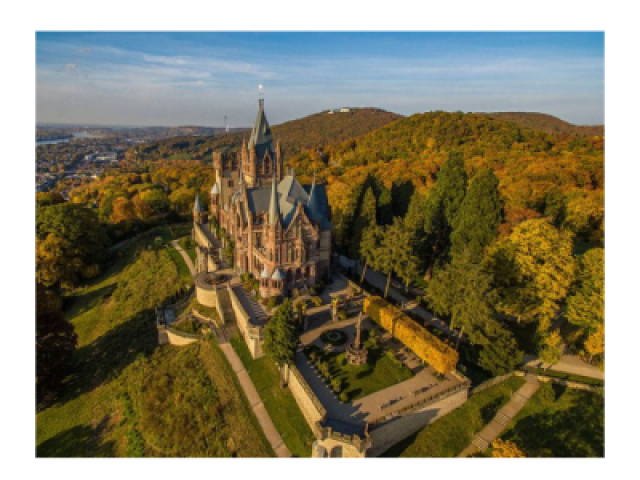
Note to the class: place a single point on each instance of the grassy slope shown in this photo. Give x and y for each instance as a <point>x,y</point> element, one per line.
<point>114,319</point>
<point>560,422</point>
<point>280,404</point>
<point>451,434</point>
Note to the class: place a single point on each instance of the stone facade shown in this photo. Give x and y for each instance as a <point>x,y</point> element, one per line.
<point>280,229</point>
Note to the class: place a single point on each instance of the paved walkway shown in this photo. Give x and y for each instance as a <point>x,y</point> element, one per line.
<point>570,364</point>
<point>495,427</point>
<point>185,255</point>
<point>269,429</point>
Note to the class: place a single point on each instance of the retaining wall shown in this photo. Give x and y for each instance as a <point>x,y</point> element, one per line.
<point>390,433</point>
<point>253,336</point>
<point>309,404</point>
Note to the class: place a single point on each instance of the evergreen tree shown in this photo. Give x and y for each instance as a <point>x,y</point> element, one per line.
<point>476,224</point>
<point>463,291</point>
<point>369,246</point>
<point>395,253</point>
<point>365,219</point>
<point>385,208</point>
<point>442,206</point>
<point>280,337</point>
<point>500,354</point>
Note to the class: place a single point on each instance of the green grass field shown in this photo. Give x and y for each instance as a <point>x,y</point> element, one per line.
<point>559,422</point>
<point>449,435</point>
<point>183,270</point>
<point>280,404</point>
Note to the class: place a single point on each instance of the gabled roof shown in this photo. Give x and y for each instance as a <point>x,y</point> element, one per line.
<point>288,194</point>
<point>278,274</point>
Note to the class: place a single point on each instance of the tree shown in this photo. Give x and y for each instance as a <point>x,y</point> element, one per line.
<point>157,199</point>
<point>280,338</point>
<point>552,348</point>
<point>476,224</point>
<point>365,219</point>
<point>463,291</point>
<point>500,354</point>
<point>506,449</point>
<point>594,345</point>
<point>69,244</point>
<point>533,269</point>
<point>395,253</point>
<point>585,306</point>
<point>123,210</point>
<point>441,208</point>
<point>142,208</point>
<point>45,199</point>
<point>55,342</point>
<point>371,241</point>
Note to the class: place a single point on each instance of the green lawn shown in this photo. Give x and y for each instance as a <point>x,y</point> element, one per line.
<point>449,435</point>
<point>380,371</point>
<point>280,404</point>
<point>188,245</point>
<point>560,422</point>
<point>183,270</point>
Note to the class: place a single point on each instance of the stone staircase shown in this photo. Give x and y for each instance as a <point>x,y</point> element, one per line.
<point>483,439</point>
<point>227,314</point>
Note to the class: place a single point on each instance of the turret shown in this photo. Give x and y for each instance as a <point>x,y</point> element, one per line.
<point>198,211</point>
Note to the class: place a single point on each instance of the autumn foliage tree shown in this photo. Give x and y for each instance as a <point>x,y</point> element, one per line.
<point>533,269</point>
<point>505,449</point>
<point>69,244</point>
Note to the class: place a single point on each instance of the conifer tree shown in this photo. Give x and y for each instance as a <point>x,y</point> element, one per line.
<point>366,218</point>
<point>280,339</point>
<point>476,224</point>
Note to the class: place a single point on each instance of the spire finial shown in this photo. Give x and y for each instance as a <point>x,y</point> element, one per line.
<point>261,95</point>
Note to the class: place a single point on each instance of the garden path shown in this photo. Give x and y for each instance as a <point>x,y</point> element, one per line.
<point>185,256</point>
<point>269,429</point>
<point>483,439</point>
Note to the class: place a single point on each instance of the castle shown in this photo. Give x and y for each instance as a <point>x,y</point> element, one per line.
<point>279,230</point>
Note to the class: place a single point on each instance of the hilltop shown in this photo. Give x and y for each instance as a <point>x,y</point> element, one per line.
<point>548,123</point>
<point>314,131</point>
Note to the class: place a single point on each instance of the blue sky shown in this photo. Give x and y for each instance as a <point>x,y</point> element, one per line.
<point>198,78</point>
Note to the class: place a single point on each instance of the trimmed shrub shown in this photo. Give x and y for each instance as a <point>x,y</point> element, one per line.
<point>316,301</point>
<point>425,345</point>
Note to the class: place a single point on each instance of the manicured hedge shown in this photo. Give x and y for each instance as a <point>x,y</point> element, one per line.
<point>428,347</point>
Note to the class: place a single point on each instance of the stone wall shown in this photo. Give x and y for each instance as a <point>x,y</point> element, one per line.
<point>390,433</point>
<point>309,404</point>
<point>180,339</point>
<point>253,335</point>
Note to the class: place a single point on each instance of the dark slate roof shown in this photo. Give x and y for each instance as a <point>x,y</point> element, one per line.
<point>261,132</point>
<point>289,193</point>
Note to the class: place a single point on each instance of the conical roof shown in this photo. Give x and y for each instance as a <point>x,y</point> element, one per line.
<point>261,132</point>
<point>274,209</point>
<point>314,207</point>
<point>197,207</point>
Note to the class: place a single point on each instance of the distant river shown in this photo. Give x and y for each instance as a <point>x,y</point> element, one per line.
<point>66,140</point>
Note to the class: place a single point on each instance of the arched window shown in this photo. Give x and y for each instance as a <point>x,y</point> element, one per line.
<point>336,452</point>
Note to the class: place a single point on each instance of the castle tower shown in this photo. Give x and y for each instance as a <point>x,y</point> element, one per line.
<point>198,211</point>
<point>262,159</point>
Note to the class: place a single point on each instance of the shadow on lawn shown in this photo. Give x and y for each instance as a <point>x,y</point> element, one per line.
<point>105,358</point>
<point>79,441</point>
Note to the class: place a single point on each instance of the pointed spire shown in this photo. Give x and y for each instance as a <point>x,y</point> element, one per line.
<point>315,212</point>
<point>274,208</point>
<point>261,132</point>
<point>197,207</point>
<point>358,329</point>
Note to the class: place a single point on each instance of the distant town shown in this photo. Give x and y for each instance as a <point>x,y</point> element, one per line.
<point>69,156</point>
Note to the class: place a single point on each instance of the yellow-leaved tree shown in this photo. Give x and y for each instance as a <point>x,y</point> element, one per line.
<point>534,268</point>
<point>506,449</point>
